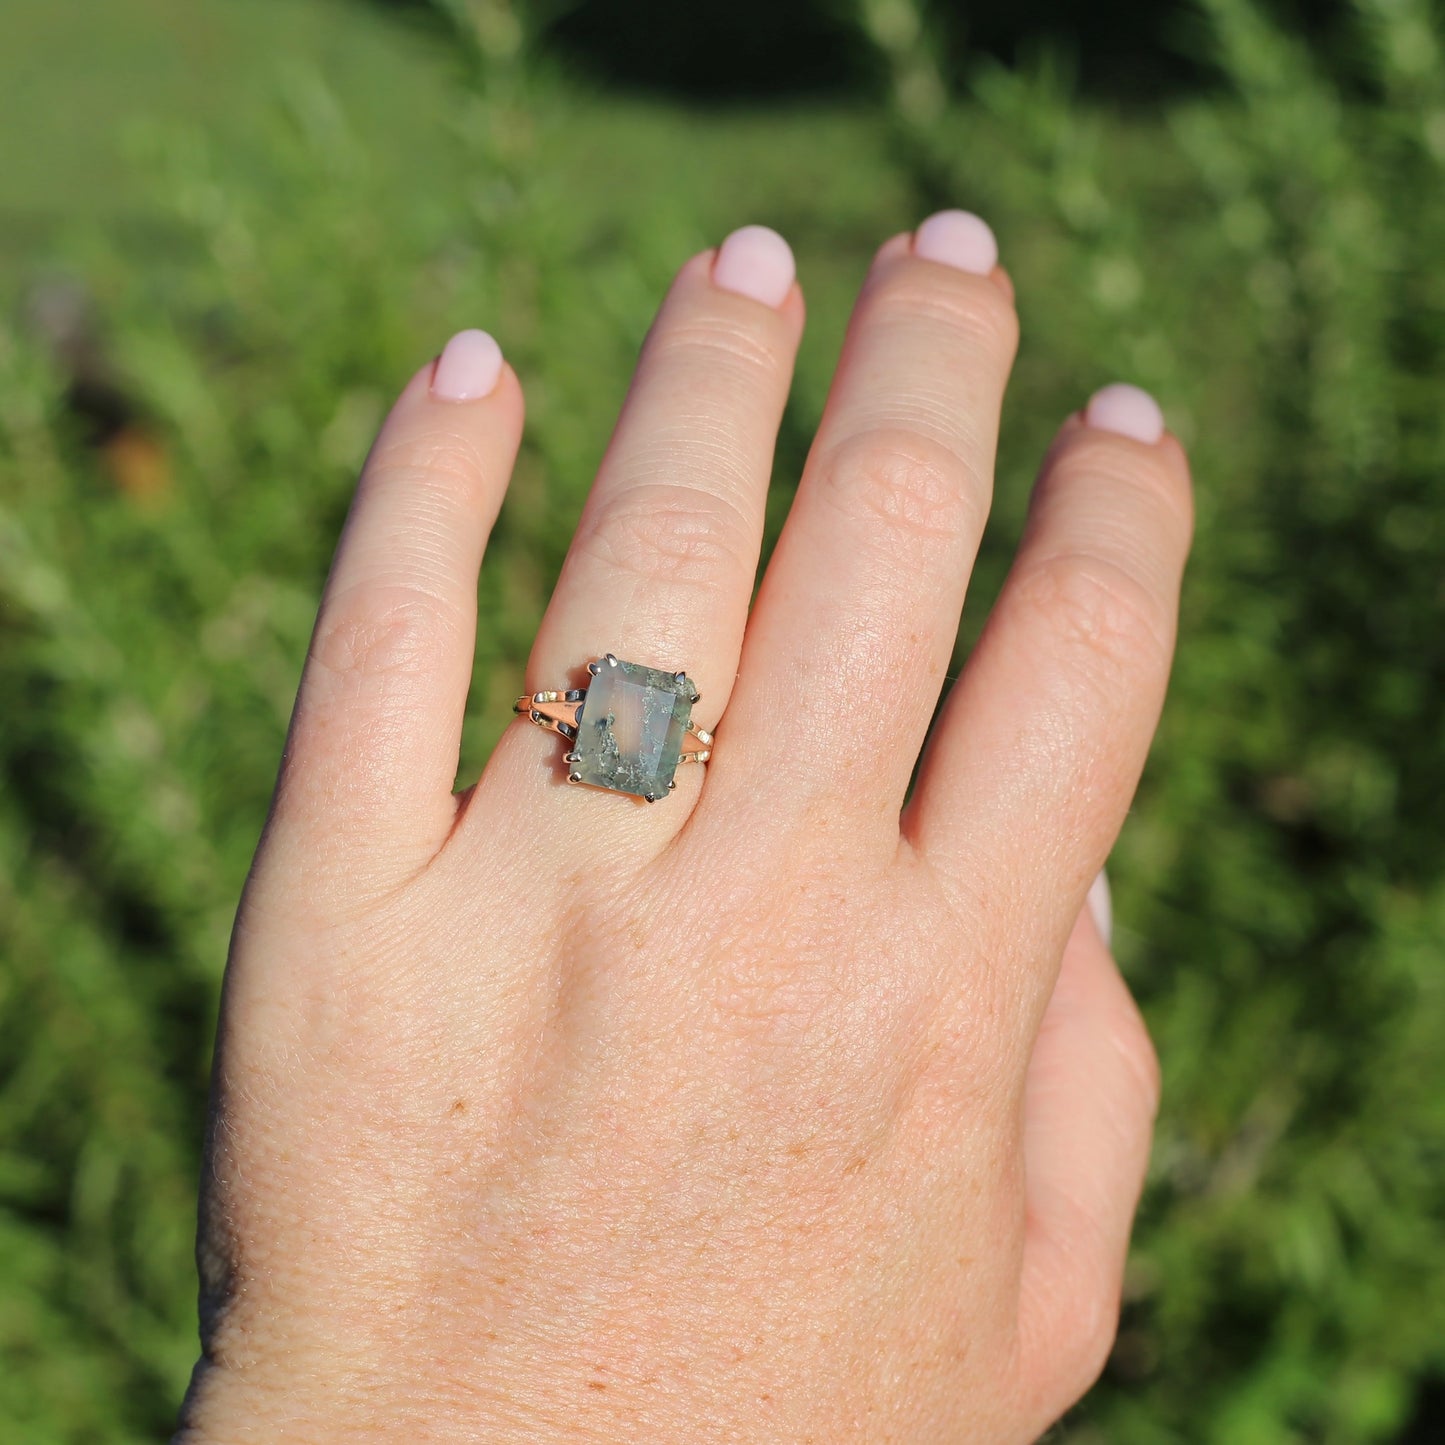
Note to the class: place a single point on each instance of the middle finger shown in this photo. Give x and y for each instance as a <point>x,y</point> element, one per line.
<point>856,619</point>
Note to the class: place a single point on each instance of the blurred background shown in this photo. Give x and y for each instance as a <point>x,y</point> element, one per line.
<point>230,229</point>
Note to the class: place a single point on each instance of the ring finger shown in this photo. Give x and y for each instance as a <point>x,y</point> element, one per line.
<point>661,569</point>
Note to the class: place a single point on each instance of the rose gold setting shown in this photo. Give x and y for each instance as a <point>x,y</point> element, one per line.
<point>558,712</point>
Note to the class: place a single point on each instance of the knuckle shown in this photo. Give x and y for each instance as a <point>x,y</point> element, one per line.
<point>716,342</point>
<point>1061,1362</point>
<point>1089,1338</point>
<point>444,463</point>
<point>918,488</point>
<point>394,632</point>
<point>1129,1036</point>
<point>672,535</point>
<point>1090,457</point>
<point>970,305</point>
<point>1097,609</point>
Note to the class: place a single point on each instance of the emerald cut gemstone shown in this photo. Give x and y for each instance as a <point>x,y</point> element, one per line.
<point>630,728</point>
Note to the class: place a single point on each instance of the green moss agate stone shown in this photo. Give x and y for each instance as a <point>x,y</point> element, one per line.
<point>630,729</point>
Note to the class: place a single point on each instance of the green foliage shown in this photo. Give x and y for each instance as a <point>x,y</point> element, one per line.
<point>1265,257</point>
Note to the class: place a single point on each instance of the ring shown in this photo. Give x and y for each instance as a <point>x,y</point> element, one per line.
<point>629,728</point>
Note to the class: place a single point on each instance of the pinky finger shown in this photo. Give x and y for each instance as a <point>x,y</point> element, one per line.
<point>1090,1100</point>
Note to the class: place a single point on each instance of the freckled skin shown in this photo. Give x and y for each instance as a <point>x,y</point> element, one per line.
<point>781,1111</point>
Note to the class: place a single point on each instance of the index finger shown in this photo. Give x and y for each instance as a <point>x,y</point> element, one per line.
<point>377,726</point>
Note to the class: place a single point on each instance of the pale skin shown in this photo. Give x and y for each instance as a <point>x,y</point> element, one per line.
<point>778,1111</point>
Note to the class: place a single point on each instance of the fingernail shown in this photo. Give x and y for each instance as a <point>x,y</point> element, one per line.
<point>1101,905</point>
<point>1127,411</point>
<point>755,262</point>
<point>468,368</point>
<point>957,238</point>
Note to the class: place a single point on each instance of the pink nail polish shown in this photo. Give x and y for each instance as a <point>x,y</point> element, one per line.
<point>755,262</point>
<point>468,369</point>
<point>957,238</point>
<point>1101,905</point>
<point>1126,411</point>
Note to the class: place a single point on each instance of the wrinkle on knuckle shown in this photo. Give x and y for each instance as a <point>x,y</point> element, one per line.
<point>1097,609</point>
<point>970,305</point>
<point>713,342</point>
<point>1129,1037</point>
<point>917,487</point>
<point>1064,1355</point>
<point>673,535</point>
<point>367,635</point>
<point>1089,1343</point>
<point>1089,458</point>
<point>448,462</point>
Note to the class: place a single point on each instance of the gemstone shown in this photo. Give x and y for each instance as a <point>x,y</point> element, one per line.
<point>630,728</point>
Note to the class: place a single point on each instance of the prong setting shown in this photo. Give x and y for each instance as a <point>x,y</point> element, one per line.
<point>633,697</point>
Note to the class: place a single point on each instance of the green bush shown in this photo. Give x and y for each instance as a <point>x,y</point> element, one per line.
<point>1265,256</point>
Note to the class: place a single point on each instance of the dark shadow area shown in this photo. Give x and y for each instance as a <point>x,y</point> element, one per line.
<point>754,49</point>
<point>1427,1424</point>
<point>742,51</point>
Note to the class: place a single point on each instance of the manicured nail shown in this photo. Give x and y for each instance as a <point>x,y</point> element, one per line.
<point>468,368</point>
<point>1101,905</point>
<point>755,262</point>
<point>1127,411</point>
<point>957,238</point>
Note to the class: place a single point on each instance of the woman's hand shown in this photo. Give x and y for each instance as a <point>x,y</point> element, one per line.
<point>778,1111</point>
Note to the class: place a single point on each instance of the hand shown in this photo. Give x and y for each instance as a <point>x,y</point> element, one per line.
<point>767,1113</point>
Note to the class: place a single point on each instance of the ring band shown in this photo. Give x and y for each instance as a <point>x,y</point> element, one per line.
<point>630,728</point>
